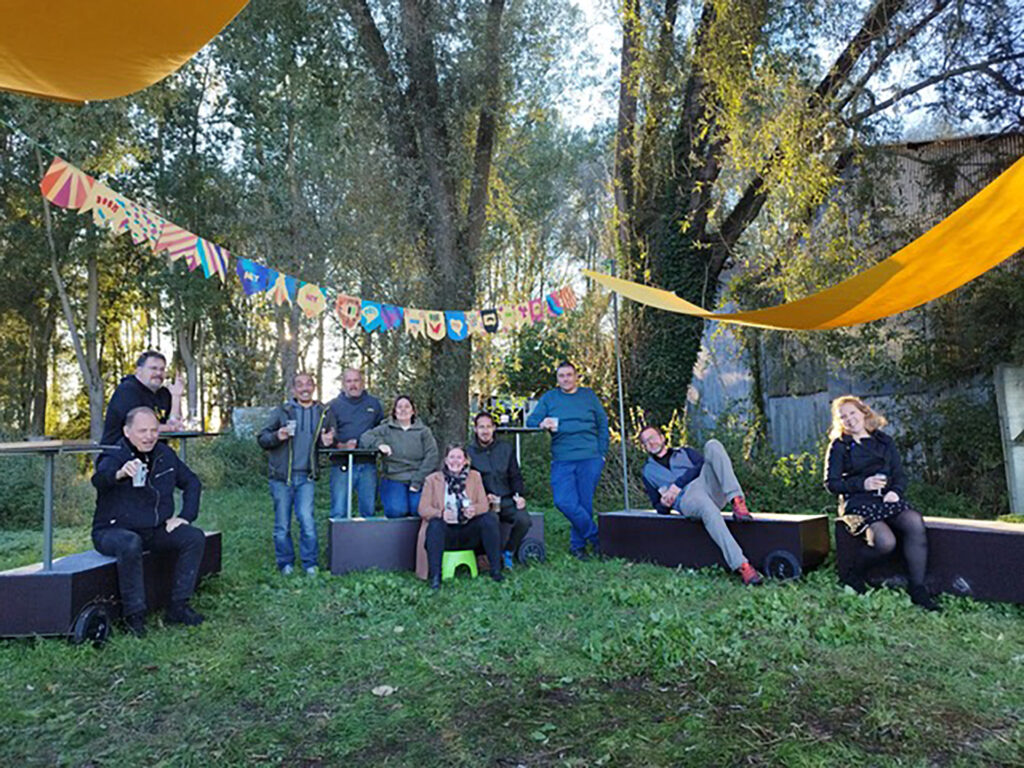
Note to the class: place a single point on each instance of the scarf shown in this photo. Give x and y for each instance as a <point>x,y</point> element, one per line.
<point>455,483</point>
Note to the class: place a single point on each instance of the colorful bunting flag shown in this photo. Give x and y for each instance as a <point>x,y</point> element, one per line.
<point>143,225</point>
<point>176,241</point>
<point>348,310</point>
<point>455,325</point>
<point>65,185</point>
<point>107,207</point>
<point>435,325</point>
<point>311,299</point>
<point>370,315</point>
<point>474,323</point>
<point>283,290</point>
<point>565,297</point>
<point>212,258</point>
<point>415,322</point>
<point>490,320</point>
<point>390,317</point>
<point>255,278</point>
<point>538,310</point>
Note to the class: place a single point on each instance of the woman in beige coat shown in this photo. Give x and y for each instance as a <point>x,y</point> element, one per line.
<point>456,515</point>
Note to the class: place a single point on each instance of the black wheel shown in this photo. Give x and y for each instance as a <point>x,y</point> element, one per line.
<point>92,625</point>
<point>531,551</point>
<point>782,564</point>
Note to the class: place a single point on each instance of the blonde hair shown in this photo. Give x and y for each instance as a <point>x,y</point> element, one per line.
<point>872,420</point>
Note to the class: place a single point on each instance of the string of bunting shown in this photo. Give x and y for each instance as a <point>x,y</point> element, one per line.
<point>69,187</point>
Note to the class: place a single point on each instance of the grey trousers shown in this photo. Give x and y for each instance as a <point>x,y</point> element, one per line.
<point>705,496</point>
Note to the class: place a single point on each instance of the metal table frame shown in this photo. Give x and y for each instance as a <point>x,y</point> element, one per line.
<point>518,432</point>
<point>351,453</point>
<point>49,449</point>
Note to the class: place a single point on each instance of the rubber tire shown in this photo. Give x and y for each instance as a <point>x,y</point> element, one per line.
<point>783,565</point>
<point>531,551</point>
<point>92,624</point>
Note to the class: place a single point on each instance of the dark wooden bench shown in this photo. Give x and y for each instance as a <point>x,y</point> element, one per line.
<point>362,543</point>
<point>51,602</point>
<point>976,558</point>
<point>782,546</point>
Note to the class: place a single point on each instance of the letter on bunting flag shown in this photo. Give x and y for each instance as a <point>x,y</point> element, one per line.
<point>490,320</point>
<point>435,325</point>
<point>347,309</point>
<point>390,317</point>
<point>255,277</point>
<point>65,185</point>
<point>525,318</point>
<point>415,322</point>
<point>456,326</point>
<point>311,299</point>
<point>370,315</point>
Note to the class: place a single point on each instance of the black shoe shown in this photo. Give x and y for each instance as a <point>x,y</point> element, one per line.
<point>919,596</point>
<point>580,554</point>
<point>435,582</point>
<point>498,576</point>
<point>182,613</point>
<point>854,579</point>
<point>595,549</point>
<point>136,624</point>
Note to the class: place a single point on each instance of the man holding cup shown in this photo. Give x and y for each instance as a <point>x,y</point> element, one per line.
<point>135,484</point>
<point>579,441</point>
<point>291,438</point>
<point>496,462</point>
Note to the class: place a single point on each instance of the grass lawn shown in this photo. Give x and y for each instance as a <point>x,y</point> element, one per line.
<point>565,664</point>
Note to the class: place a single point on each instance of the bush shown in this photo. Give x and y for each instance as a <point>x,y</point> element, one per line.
<point>21,491</point>
<point>228,462</point>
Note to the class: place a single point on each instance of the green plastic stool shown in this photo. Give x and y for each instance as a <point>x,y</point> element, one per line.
<point>453,558</point>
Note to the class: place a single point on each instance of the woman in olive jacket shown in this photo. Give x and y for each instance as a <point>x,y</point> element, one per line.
<point>456,515</point>
<point>864,469</point>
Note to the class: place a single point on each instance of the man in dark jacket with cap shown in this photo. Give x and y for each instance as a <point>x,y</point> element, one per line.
<point>496,462</point>
<point>135,484</point>
<point>146,388</point>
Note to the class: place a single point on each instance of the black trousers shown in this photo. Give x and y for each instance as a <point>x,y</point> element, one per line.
<point>520,521</point>
<point>187,541</point>
<point>480,531</point>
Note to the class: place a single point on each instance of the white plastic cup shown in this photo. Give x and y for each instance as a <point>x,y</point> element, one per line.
<point>554,423</point>
<point>291,425</point>
<point>139,478</point>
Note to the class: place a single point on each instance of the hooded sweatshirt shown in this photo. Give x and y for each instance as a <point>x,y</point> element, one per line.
<point>413,450</point>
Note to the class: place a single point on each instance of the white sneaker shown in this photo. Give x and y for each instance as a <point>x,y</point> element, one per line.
<point>287,570</point>
<point>311,571</point>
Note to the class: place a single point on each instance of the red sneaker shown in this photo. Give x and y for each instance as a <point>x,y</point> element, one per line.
<point>740,513</point>
<point>749,574</point>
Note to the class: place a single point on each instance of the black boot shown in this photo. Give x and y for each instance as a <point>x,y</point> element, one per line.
<point>435,581</point>
<point>182,613</point>
<point>919,595</point>
<point>136,624</point>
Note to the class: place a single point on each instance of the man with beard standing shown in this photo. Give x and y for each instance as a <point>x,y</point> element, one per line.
<point>145,388</point>
<point>355,411</point>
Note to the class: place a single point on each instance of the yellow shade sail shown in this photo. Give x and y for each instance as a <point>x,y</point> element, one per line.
<point>74,50</point>
<point>983,232</point>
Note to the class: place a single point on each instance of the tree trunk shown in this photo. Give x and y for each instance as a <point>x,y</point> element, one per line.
<point>42,341</point>
<point>185,339</point>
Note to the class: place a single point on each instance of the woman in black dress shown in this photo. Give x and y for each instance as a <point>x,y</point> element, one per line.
<point>863,468</point>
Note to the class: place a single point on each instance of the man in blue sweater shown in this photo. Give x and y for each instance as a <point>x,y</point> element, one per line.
<point>579,441</point>
<point>355,411</point>
<point>698,486</point>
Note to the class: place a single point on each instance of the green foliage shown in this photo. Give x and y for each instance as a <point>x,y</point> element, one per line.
<point>580,664</point>
<point>228,462</point>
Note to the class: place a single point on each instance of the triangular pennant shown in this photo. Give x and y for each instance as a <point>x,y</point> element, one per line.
<point>283,290</point>
<point>212,258</point>
<point>143,225</point>
<point>255,277</point>
<point>176,241</point>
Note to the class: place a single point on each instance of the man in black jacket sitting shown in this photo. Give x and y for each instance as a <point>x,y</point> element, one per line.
<point>135,485</point>
<point>496,462</point>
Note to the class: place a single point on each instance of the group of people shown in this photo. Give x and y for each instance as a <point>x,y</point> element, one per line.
<point>463,496</point>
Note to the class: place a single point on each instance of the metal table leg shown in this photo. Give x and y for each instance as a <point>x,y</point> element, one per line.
<point>519,458</point>
<point>183,443</point>
<point>350,486</point>
<point>48,474</point>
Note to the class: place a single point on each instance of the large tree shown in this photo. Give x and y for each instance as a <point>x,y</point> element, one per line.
<point>737,117</point>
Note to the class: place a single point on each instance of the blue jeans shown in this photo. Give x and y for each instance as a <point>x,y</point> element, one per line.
<point>298,496</point>
<point>398,500</point>
<point>573,484</point>
<point>364,485</point>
